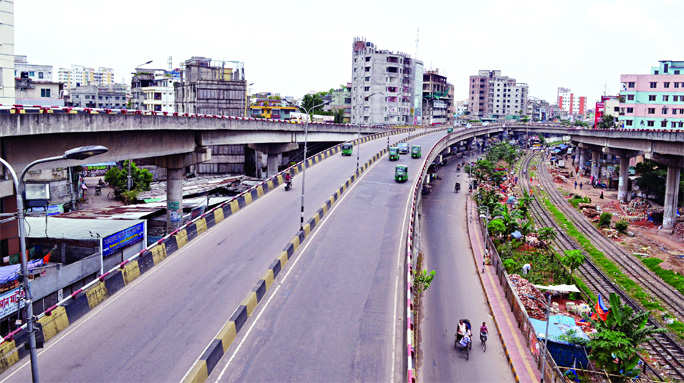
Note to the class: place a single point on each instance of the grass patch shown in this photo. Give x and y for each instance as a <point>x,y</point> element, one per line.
<point>677,327</point>
<point>608,267</point>
<point>673,279</point>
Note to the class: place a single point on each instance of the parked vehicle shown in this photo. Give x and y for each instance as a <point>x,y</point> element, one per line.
<point>561,163</point>
<point>401,173</point>
<point>415,151</point>
<point>393,154</point>
<point>403,148</point>
<point>347,149</point>
<point>450,129</point>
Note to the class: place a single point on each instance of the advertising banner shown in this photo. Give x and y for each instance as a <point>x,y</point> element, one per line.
<point>118,241</point>
<point>9,302</point>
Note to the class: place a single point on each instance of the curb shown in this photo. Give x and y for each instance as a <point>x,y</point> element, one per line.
<point>489,304</point>
<point>203,367</point>
<point>65,312</point>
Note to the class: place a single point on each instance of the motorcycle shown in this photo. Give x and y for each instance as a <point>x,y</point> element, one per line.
<point>288,185</point>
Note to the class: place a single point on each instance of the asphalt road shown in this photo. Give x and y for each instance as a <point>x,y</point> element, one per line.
<point>455,293</point>
<point>337,315</point>
<point>155,328</point>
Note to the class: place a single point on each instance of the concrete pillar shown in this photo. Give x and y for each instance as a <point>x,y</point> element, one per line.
<point>671,197</point>
<point>174,198</point>
<point>273,162</point>
<point>623,182</point>
<point>582,159</point>
<point>595,165</point>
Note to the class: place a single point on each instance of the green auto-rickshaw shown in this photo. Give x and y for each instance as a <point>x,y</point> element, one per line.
<point>347,149</point>
<point>393,153</point>
<point>401,173</point>
<point>415,151</point>
<point>450,129</point>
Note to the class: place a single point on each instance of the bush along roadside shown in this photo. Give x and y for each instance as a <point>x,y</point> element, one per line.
<point>629,286</point>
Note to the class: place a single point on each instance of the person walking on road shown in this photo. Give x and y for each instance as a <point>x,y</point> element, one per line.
<point>580,185</point>
<point>575,184</point>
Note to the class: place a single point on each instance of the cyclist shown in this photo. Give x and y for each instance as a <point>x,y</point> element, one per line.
<point>288,180</point>
<point>483,332</point>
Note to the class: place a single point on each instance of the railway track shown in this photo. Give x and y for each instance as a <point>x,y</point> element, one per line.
<point>668,353</point>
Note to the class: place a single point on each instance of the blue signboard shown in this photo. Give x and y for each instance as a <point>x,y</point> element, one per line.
<point>118,241</point>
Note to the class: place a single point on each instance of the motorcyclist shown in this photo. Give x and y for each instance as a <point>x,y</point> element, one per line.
<point>288,180</point>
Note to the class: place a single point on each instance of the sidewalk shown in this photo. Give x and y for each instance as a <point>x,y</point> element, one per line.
<point>519,355</point>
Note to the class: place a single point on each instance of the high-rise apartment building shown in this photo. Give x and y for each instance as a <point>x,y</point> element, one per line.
<point>7,52</point>
<point>437,100</point>
<point>655,100</point>
<point>211,87</point>
<point>386,86</point>
<point>570,103</point>
<point>79,75</point>
<point>495,96</point>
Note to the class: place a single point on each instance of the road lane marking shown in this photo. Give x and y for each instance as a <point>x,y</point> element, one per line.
<point>294,263</point>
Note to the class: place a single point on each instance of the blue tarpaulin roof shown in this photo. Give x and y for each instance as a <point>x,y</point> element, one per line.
<point>558,325</point>
<point>516,234</point>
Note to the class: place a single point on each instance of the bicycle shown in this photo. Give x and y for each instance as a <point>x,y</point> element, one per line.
<point>483,340</point>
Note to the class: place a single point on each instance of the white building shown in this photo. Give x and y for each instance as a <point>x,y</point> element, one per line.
<point>33,71</point>
<point>80,75</point>
<point>387,87</point>
<point>571,103</point>
<point>160,96</point>
<point>7,96</point>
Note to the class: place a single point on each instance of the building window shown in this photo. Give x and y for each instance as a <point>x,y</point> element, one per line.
<point>630,85</point>
<point>653,85</point>
<point>663,124</point>
<point>40,75</point>
<point>650,123</point>
<point>664,110</point>
<point>666,84</point>
<point>675,98</point>
<point>666,97</point>
<point>629,122</point>
<point>676,85</point>
<point>651,110</point>
<point>630,97</point>
<point>45,93</point>
<point>674,111</point>
<point>630,110</point>
<point>651,97</point>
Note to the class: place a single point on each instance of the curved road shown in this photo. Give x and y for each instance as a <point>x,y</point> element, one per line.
<point>338,314</point>
<point>154,329</point>
<point>455,292</point>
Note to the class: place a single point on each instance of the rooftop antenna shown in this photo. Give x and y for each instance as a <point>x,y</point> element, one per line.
<point>170,63</point>
<point>417,40</point>
<point>605,87</point>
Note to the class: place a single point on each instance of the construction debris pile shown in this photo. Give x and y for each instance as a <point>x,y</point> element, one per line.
<point>590,210</point>
<point>535,307</point>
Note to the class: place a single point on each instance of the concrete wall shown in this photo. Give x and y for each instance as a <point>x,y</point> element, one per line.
<point>65,276</point>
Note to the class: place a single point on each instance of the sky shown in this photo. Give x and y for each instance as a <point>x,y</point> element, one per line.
<point>293,47</point>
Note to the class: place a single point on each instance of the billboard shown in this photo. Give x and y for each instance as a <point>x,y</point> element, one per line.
<point>118,241</point>
<point>10,301</point>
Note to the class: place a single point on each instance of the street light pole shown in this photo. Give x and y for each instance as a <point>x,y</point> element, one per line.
<point>546,339</point>
<point>486,232</point>
<point>78,153</point>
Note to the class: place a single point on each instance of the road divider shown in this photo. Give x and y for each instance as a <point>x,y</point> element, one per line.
<point>65,312</point>
<point>205,364</point>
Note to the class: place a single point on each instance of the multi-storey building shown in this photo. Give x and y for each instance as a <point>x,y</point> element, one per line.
<point>79,75</point>
<point>495,96</point>
<point>386,86</point>
<point>7,53</point>
<point>160,96</point>
<point>38,92</point>
<point>33,71</point>
<point>211,87</point>
<point>654,100</point>
<point>609,105</point>
<point>575,105</point>
<point>437,103</point>
<point>102,97</point>
<point>342,98</point>
<point>271,107</point>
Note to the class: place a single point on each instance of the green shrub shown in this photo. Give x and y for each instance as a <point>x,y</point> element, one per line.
<point>605,219</point>
<point>621,225</point>
<point>510,265</point>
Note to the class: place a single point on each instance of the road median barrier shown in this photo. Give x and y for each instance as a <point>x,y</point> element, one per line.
<point>79,302</point>
<point>203,367</point>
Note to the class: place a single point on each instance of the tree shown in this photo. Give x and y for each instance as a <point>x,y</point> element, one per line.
<point>573,259</point>
<point>615,345</point>
<point>339,115</point>
<point>422,279</point>
<point>607,122</point>
<point>546,235</point>
<point>118,178</point>
<point>524,203</point>
<point>311,100</point>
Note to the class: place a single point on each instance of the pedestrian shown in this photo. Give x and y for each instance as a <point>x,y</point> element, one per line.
<point>601,196</point>
<point>526,268</point>
<point>575,184</point>
<point>581,185</point>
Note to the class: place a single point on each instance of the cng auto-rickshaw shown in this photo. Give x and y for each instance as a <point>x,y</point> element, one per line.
<point>450,129</point>
<point>401,173</point>
<point>415,151</point>
<point>393,153</point>
<point>347,149</point>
